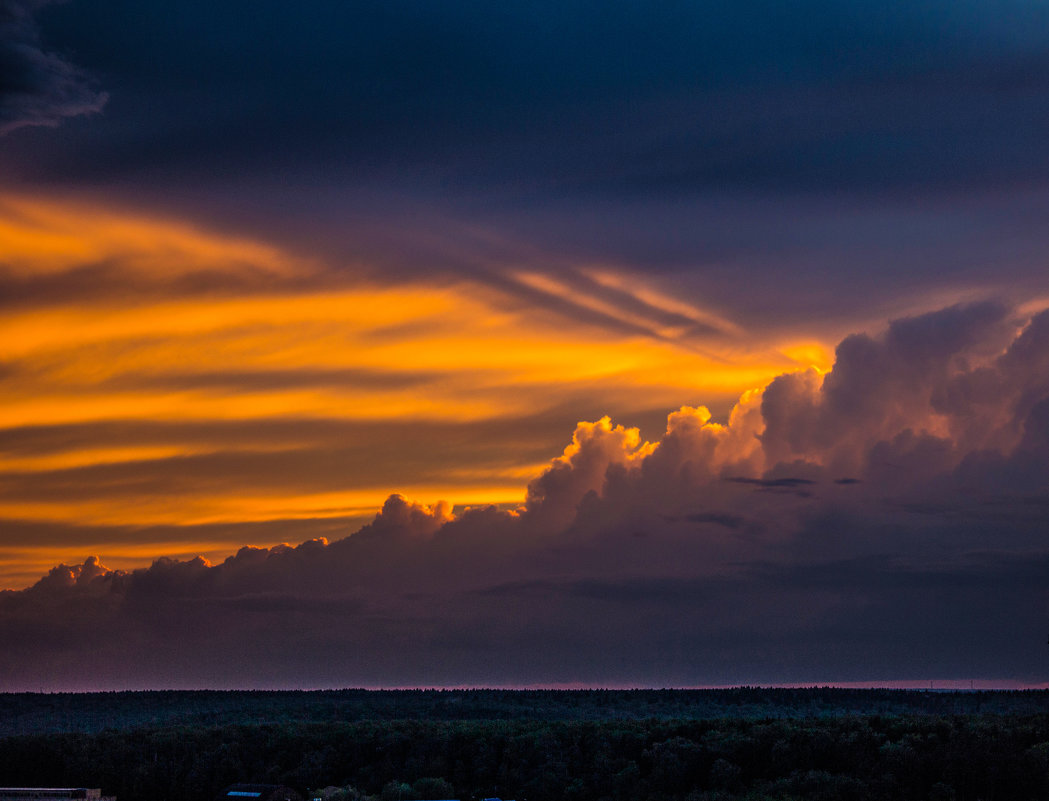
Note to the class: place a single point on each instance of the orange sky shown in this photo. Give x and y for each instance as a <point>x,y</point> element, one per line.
<point>158,375</point>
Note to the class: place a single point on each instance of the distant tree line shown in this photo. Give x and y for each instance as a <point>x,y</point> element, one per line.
<point>919,757</point>
<point>28,713</point>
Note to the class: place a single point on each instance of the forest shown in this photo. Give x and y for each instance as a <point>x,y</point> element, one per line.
<point>673,745</point>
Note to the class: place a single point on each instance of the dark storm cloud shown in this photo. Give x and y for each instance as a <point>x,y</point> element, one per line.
<point>37,87</point>
<point>634,564</point>
<point>586,97</point>
<point>847,156</point>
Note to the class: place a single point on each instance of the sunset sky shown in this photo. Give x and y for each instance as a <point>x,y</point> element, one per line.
<point>541,344</point>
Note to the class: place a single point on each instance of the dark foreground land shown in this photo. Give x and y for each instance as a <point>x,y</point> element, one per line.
<point>536,745</point>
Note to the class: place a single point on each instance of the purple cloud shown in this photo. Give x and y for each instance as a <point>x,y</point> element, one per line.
<point>883,521</point>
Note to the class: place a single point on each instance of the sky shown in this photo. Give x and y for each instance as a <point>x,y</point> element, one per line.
<point>548,344</point>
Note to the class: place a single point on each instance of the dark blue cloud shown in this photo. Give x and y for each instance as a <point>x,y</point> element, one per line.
<point>583,98</point>
<point>37,87</point>
<point>845,156</point>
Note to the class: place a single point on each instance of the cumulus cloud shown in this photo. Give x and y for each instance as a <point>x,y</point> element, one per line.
<point>885,520</point>
<point>37,87</point>
<point>554,496</point>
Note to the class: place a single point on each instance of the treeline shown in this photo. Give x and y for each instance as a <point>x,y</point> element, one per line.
<point>920,757</point>
<point>27,713</point>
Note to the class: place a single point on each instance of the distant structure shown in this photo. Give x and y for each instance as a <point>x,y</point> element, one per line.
<point>53,794</point>
<point>256,792</point>
<point>332,792</point>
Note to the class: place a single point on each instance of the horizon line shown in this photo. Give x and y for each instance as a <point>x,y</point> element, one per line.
<point>915,685</point>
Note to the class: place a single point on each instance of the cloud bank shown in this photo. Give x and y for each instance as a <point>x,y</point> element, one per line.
<point>885,520</point>
<point>38,87</point>
<point>170,390</point>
